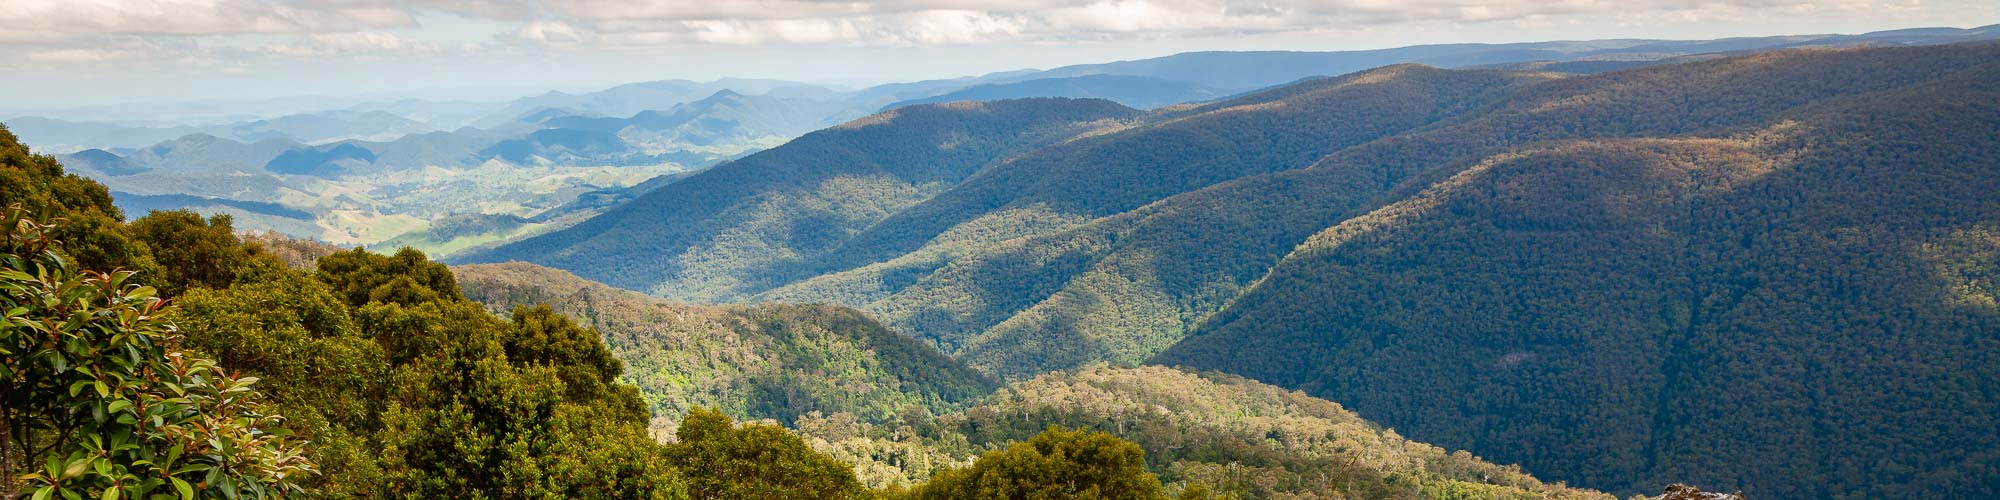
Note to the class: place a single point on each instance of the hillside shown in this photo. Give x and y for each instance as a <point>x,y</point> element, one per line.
<point>1233,71</point>
<point>1235,436</point>
<point>1793,263</point>
<point>767,361</point>
<point>733,228</point>
<point>940,270</point>
<point>1553,269</point>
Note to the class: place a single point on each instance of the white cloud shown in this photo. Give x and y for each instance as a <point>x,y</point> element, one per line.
<point>358,43</point>
<point>653,23</point>
<point>83,31</point>
<point>71,18</point>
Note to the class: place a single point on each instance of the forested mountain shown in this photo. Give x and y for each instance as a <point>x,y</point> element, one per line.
<point>773,361</point>
<point>366,191</point>
<point>1551,268</point>
<point>1244,71</point>
<point>368,172</point>
<point>1234,437</point>
<point>1067,279</point>
<point>736,227</point>
<point>1787,253</point>
<point>287,369</point>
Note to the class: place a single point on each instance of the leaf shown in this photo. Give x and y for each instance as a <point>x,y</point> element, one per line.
<point>110,493</point>
<point>75,468</point>
<point>44,493</point>
<point>187,492</point>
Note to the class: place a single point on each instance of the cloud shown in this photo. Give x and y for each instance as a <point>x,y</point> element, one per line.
<point>653,23</point>
<point>53,32</point>
<point>351,44</point>
<point>96,31</point>
<point>71,18</point>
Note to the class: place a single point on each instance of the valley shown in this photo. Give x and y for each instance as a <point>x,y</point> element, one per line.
<point>1588,269</point>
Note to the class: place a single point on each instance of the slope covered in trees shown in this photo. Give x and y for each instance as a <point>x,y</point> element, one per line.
<point>738,226</point>
<point>388,382</point>
<point>1128,283</point>
<point>1767,273</point>
<point>371,376</point>
<point>773,361</point>
<point>1787,252</point>
<point>1230,436</point>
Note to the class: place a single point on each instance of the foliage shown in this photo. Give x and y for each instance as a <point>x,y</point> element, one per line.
<point>295,253</point>
<point>1057,463</point>
<point>768,361</point>
<point>725,460</point>
<point>196,252</point>
<point>91,227</point>
<point>1201,433</point>
<point>100,402</point>
<point>416,391</point>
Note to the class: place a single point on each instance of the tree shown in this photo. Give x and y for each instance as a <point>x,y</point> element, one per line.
<point>1058,463</point>
<point>723,460</point>
<point>96,400</point>
<point>92,229</point>
<point>195,252</point>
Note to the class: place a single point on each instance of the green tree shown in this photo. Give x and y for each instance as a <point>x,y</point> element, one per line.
<point>195,252</point>
<point>96,401</point>
<point>1058,463</point>
<point>91,228</point>
<point>724,460</point>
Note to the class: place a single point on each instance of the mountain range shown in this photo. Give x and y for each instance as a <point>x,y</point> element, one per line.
<point>1764,264</point>
<point>385,153</point>
<point>1606,277</point>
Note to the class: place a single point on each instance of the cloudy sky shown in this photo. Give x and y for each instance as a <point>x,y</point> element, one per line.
<point>81,52</point>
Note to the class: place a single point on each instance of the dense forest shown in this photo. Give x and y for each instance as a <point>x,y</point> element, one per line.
<point>733,228</point>
<point>1602,277</point>
<point>774,361</point>
<point>214,364</point>
<point>1215,433</point>
<point>1792,259</point>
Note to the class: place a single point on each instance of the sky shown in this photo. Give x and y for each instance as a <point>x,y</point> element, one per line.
<point>62,53</point>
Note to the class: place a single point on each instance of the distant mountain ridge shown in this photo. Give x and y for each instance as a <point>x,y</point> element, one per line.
<point>1551,268</point>
<point>1134,91</point>
<point>820,189</point>
<point>770,361</point>
<point>667,125</point>
<point>1243,71</point>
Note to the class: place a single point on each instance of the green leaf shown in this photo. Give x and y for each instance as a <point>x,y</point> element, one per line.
<point>75,468</point>
<point>110,494</point>
<point>44,493</point>
<point>187,492</point>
